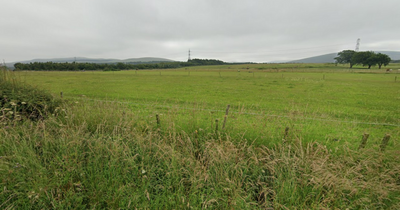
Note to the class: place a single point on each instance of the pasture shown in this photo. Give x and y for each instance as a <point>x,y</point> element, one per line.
<point>318,102</point>
<point>151,139</point>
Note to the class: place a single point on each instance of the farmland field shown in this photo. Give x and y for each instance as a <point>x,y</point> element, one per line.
<point>156,139</point>
<point>318,102</point>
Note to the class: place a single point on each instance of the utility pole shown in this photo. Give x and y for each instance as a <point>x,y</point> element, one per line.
<point>189,55</point>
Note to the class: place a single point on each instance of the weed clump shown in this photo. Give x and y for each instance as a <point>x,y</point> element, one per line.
<point>21,101</point>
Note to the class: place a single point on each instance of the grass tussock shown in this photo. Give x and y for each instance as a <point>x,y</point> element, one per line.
<point>19,101</point>
<point>104,156</point>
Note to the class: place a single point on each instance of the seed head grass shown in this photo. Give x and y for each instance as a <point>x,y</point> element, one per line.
<point>105,156</point>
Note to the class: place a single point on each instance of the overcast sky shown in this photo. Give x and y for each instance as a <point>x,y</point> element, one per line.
<point>229,30</point>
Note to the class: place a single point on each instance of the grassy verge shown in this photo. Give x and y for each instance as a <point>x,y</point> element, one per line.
<point>103,156</point>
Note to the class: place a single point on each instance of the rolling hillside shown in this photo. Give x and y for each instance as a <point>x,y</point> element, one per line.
<point>329,58</point>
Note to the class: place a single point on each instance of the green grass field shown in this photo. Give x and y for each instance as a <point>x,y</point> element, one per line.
<point>319,102</point>
<point>290,142</point>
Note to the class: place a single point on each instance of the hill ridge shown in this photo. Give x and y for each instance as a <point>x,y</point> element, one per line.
<point>329,58</point>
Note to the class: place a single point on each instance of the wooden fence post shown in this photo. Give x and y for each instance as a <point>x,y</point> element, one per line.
<point>385,141</point>
<point>363,141</point>
<point>61,94</point>
<point>158,120</point>
<point>226,115</point>
<point>286,132</point>
<point>216,125</point>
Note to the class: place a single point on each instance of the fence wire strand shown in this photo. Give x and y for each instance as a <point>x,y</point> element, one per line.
<point>246,113</point>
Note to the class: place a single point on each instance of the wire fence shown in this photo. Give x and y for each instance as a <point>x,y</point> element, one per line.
<point>245,113</point>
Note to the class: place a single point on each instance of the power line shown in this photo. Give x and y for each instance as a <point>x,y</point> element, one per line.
<point>268,51</point>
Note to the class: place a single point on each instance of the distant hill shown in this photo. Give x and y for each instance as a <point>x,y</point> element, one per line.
<point>147,59</point>
<point>329,58</point>
<point>94,60</point>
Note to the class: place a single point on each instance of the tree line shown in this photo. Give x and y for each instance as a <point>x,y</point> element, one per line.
<point>74,66</point>
<point>366,58</point>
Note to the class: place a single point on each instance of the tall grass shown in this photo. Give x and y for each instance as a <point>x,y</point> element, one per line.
<point>105,156</point>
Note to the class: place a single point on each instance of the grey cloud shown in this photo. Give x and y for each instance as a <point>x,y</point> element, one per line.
<point>257,30</point>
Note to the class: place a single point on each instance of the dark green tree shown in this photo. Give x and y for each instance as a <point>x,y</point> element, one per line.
<point>366,58</point>
<point>19,66</point>
<point>382,59</point>
<point>121,66</point>
<point>345,57</point>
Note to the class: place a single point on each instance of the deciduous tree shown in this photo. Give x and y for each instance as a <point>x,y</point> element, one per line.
<point>382,59</point>
<point>345,57</point>
<point>365,58</point>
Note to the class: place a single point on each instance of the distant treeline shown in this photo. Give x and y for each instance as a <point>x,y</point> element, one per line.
<point>74,66</point>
